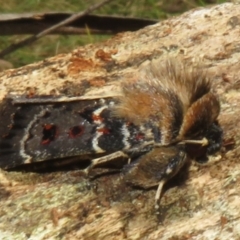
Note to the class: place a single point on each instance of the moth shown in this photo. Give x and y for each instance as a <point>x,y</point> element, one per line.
<point>158,122</point>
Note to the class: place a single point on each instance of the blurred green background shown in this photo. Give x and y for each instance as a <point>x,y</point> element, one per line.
<point>54,44</point>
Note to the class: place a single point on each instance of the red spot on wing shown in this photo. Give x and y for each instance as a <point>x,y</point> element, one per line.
<point>76,131</point>
<point>104,130</point>
<point>140,136</point>
<point>96,118</point>
<point>50,132</point>
<point>48,126</point>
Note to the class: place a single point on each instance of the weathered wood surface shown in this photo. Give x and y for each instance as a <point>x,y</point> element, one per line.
<point>65,205</point>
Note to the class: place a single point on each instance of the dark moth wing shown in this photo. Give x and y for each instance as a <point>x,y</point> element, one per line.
<point>37,130</point>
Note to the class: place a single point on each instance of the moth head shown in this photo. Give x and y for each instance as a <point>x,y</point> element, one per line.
<point>213,136</point>
<point>200,122</point>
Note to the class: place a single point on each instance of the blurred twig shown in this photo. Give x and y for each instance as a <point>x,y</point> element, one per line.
<point>33,38</point>
<point>33,23</point>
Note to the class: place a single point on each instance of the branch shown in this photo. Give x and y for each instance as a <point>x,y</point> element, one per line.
<point>33,38</point>
<point>32,23</point>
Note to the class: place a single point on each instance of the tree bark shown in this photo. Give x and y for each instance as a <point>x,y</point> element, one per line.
<point>66,205</point>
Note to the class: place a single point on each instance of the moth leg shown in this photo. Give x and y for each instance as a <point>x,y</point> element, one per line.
<point>104,159</point>
<point>117,154</point>
<point>158,193</point>
<point>202,142</point>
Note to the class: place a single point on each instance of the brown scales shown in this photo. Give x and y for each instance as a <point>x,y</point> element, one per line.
<point>165,90</point>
